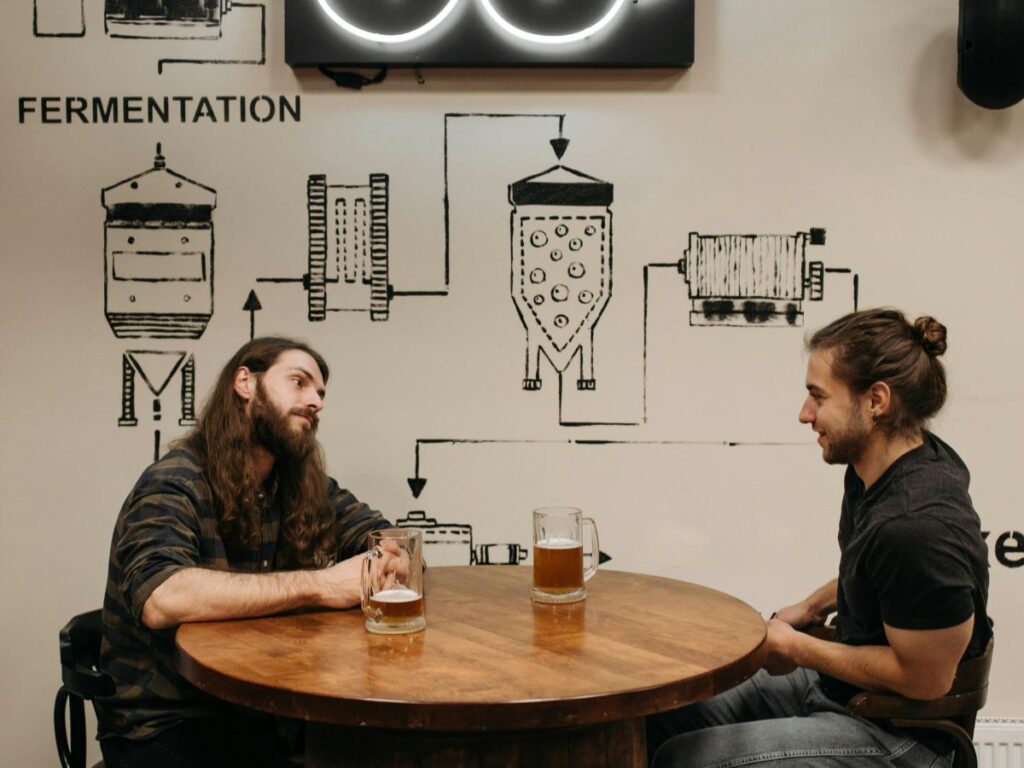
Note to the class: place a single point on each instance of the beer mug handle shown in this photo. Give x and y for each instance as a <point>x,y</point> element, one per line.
<point>366,581</point>
<point>596,556</point>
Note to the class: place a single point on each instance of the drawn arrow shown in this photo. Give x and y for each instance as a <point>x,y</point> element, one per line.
<point>416,482</point>
<point>252,306</point>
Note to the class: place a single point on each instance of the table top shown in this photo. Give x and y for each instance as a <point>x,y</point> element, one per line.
<point>490,658</point>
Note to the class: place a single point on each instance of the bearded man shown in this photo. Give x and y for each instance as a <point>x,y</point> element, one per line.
<point>238,520</point>
<point>912,588</point>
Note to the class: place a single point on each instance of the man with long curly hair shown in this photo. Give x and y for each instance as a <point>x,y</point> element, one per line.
<point>239,519</point>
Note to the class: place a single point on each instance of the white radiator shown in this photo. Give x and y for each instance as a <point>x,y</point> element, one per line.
<point>1000,742</point>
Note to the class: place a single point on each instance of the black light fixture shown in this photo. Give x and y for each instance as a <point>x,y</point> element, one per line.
<point>489,33</point>
<point>990,52</point>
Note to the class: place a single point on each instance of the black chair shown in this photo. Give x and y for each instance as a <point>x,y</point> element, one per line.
<point>953,714</point>
<point>79,655</point>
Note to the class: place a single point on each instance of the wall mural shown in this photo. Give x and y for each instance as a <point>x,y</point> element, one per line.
<point>58,18</point>
<point>158,261</point>
<point>238,37</point>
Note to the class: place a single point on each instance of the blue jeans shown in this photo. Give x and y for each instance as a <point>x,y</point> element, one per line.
<point>782,721</point>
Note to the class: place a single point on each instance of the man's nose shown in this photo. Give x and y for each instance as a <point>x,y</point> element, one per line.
<point>806,415</point>
<point>315,402</point>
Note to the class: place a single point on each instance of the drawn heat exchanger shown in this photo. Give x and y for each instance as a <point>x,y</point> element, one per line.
<point>561,267</point>
<point>348,247</point>
<point>167,19</point>
<point>751,279</point>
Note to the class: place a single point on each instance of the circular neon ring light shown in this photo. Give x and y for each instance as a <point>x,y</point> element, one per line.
<point>376,37</point>
<point>553,39</point>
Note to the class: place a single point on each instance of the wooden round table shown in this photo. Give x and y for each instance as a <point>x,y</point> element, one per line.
<point>495,679</point>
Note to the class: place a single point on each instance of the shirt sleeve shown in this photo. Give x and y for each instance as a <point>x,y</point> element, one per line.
<point>922,574</point>
<point>355,521</point>
<point>158,534</point>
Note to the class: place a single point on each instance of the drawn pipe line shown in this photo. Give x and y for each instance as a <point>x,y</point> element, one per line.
<point>447,204</point>
<point>417,482</point>
<point>563,423</point>
<point>856,282</point>
<point>263,45</point>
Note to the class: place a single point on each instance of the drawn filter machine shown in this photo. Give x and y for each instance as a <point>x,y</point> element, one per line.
<point>743,280</point>
<point>158,276</point>
<point>561,266</point>
<point>348,247</point>
<point>167,19</point>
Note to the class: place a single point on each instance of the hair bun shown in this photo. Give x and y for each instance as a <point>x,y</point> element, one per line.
<point>931,334</point>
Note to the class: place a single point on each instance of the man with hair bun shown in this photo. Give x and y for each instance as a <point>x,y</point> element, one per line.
<point>910,597</point>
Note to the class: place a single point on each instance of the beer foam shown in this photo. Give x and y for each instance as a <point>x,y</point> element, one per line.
<point>400,595</point>
<point>558,543</point>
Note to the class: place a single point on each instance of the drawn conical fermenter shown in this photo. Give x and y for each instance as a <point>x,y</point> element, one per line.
<point>158,255</point>
<point>561,267</point>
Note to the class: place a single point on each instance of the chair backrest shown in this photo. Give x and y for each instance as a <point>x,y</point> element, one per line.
<point>967,695</point>
<point>953,714</point>
<point>82,681</point>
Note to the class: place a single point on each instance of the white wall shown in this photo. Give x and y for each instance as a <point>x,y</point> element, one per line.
<point>796,115</point>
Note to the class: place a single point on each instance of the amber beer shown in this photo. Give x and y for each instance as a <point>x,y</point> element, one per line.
<point>396,606</point>
<point>391,582</point>
<point>558,572</point>
<point>558,566</point>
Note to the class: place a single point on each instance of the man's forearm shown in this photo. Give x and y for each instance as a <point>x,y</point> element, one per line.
<point>871,667</point>
<point>203,594</point>
<point>813,609</point>
<point>823,600</point>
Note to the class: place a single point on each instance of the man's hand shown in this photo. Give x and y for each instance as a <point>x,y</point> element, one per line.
<point>814,610</point>
<point>797,616</point>
<point>338,586</point>
<point>781,641</point>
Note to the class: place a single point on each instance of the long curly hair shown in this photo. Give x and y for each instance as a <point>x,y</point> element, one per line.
<point>223,441</point>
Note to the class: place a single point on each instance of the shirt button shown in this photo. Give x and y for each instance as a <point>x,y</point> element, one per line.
<point>265,563</point>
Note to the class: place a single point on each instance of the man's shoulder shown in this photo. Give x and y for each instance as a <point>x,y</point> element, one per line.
<point>178,469</point>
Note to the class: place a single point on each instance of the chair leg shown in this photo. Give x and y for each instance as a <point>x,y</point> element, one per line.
<point>77,732</point>
<point>965,757</point>
<point>60,731</point>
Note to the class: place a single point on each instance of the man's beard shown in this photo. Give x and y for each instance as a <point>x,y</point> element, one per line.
<point>848,446</point>
<point>270,428</point>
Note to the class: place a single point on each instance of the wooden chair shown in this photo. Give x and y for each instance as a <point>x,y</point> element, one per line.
<point>79,654</point>
<point>953,714</point>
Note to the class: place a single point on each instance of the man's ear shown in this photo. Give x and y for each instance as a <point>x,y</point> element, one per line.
<point>880,401</point>
<point>245,383</point>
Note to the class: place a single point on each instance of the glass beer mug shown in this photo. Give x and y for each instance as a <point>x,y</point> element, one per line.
<point>558,572</point>
<point>391,585</point>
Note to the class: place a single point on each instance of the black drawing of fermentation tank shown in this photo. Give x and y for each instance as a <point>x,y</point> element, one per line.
<point>751,279</point>
<point>561,267</point>
<point>158,255</point>
<point>166,19</point>
<point>158,279</point>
